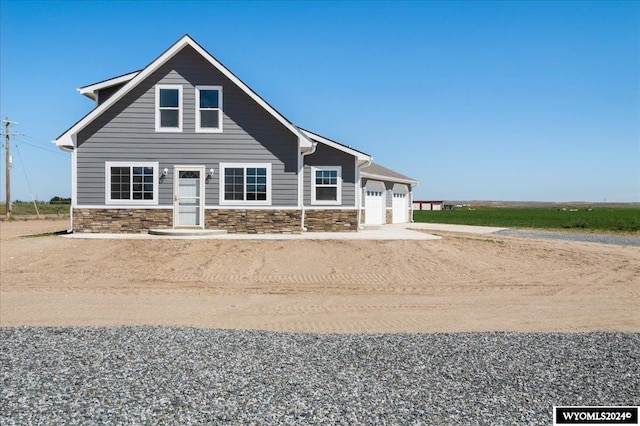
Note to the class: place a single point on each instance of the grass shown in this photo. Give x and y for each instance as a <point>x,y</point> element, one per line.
<point>618,219</point>
<point>23,209</point>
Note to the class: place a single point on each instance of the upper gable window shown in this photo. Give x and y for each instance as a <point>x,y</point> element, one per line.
<point>168,108</point>
<point>209,109</point>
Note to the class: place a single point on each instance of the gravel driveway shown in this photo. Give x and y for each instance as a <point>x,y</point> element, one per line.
<point>155,375</point>
<point>620,240</point>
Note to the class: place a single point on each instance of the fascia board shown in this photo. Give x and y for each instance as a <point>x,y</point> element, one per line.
<point>360,156</point>
<point>90,90</point>
<point>63,139</point>
<point>388,178</point>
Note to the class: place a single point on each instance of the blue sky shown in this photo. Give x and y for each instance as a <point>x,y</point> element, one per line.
<point>477,100</point>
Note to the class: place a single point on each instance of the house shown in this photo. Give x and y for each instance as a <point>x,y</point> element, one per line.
<point>184,143</point>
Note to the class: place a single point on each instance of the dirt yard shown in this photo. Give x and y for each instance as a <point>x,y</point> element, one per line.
<point>461,283</point>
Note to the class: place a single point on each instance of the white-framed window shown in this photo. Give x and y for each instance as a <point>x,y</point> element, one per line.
<point>209,109</point>
<point>168,108</point>
<point>131,182</point>
<point>245,183</point>
<point>326,185</point>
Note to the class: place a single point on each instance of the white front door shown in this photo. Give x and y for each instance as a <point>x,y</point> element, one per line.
<point>188,196</point>
<point>374,204</point>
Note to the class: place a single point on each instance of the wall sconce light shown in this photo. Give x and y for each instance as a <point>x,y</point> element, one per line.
<point>165,171</point>
<point>210,174</point>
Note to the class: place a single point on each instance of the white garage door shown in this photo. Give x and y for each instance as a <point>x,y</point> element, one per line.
<point>400,204</point>
<point>374,209</point>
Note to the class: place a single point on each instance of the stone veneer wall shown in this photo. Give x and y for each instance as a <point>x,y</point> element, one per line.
<point>254,221</point>
<point>247,221</point>
<point>117,221</point>
<point>389,216</point>
<point>331,220</point>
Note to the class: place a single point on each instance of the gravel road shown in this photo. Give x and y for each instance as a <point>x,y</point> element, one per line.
<point>620,240</point>
<point>156,375</point>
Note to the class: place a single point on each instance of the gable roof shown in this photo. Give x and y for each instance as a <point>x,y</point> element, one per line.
<point>360,156</point>
<point>376,171</point>
<point>67,139</point>
<point>91,90</point>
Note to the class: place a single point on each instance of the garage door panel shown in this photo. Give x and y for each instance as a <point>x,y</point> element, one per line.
<point>400,204</point>
<point>374,204</point>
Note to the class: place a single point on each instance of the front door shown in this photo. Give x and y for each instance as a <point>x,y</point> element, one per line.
<point>188,196</point>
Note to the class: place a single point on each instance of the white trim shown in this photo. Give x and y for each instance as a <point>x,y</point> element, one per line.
<point>360,156</point>
<point>176,193</point>
<point>336,207</point>
<point>219,109</point>
<point>170,207</point>
<point>91,91</point>
<point>65,138</point>
<point>387,178</point>
<point>107,183</point>
<point>177,87</point>
<point>245,166</point>
<point>338,185</point>
<point>293,208</point>
<point>123,207</point>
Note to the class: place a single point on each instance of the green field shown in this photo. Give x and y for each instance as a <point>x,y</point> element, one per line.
<point>28,209</point>
<point>619,219</point>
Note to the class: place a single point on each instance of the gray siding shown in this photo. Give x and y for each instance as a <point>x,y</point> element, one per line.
<point>106,93</point>
<point>328,156</point>
<point>126,132</point>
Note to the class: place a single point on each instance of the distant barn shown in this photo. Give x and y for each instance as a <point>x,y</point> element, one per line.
<point>428,205</point>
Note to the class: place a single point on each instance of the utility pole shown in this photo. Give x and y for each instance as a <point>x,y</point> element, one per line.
<point>7,145</point>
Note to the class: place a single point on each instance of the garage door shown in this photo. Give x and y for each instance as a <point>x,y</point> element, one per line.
<point>400,204</point>
<point>374,209</point>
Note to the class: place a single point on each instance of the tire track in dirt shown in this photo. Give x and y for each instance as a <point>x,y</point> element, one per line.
<point>454,283</point>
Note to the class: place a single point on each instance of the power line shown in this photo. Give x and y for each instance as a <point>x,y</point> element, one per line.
<point>38,146</point>
<point>26,140</point>
<point>7,147</point>
<point>39,141</point>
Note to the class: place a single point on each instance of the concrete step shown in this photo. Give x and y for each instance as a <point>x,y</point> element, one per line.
<point>187,232</point>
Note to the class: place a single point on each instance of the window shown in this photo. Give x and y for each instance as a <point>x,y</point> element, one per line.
<point>208,109</point>
<point>248,183</point>
<point>131,183</point>
<point>326,185</point>
<point>169,108</point>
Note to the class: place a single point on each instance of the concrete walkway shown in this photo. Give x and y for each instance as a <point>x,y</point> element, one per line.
<point>398,231</point>
<point>387,232</point>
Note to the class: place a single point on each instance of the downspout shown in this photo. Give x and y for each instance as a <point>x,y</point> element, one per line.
<point>73,190</point>
<point>301,184</point>
<point>411,200</point>
<point>72,151</point>
<point>359,197</point>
